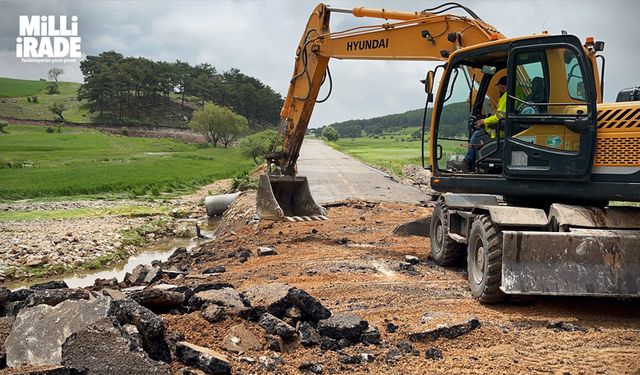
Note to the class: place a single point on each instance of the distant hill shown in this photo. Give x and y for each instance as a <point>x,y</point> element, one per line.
<point>453,122</point>
<point>11,88</point>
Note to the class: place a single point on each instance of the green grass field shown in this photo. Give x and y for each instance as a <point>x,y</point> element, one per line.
<point>10,87</point>
<point>16,93</point>
<point>36,164</point>
<point>389,153</point>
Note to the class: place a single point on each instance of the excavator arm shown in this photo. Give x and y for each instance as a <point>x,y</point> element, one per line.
<point>428,35</point>
<point>425,36</point>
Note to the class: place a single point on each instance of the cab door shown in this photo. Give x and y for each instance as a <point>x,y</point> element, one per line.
<point>550,126</point>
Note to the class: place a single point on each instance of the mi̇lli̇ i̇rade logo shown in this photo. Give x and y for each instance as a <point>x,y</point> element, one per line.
<point>48,39</point>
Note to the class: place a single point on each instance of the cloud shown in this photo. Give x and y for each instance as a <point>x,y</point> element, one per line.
<point>260,39</point>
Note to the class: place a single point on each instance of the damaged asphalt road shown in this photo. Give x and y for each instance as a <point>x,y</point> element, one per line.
<point>332,296</point>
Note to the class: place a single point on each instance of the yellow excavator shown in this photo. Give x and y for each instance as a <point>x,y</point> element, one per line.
<point>533,216</point>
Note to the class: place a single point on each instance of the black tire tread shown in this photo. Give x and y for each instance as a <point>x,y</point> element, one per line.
<point>490,287</point>
<point>453,253</point>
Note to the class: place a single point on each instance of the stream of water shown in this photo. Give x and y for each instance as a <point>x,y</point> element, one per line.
<point>157,250</point>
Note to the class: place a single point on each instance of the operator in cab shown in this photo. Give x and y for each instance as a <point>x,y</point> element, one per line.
<point>486,128</point>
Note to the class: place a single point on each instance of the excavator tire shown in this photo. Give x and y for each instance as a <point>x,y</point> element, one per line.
<point>444,250</point>
<point>484,261</point>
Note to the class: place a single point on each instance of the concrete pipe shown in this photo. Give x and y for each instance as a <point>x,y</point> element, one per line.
<point>218,204</point>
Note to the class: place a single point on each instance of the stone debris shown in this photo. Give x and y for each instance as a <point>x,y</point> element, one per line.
<point>309,336</point>
<point>567,327</point>
<point>278,298</point>
<point>215,269</point>
<point>53,297</point>
<point>39,331</point>
<point>240,340</point>
<point>343,326</point>
<point>311,367</point>
<point>411,259</point>
<point>433,353</point>
<point>266,251</point>
<point>228,298</point>
<point>205,359</point>
<point>55,284</point>
<point>450,332</point>
<point>214,314</point>
<point>101,349</point>
<point>275,326</point>
<point>154,274</point>
<point>158,300</point>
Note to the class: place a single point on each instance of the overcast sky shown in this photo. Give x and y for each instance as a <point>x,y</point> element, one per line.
<point>260,38</point>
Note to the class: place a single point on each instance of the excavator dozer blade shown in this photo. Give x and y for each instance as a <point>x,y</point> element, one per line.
<point>287,198</point>
<point>583,262</point>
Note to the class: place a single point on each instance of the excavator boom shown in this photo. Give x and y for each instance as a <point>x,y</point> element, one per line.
<point>421,36</point>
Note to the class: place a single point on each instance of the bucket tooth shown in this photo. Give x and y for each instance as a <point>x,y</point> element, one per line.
<point>286,196</point>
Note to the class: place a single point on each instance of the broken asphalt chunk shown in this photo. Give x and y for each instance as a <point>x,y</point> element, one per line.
<point>450,332</point>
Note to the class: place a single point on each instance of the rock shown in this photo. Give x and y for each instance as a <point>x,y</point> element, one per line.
<point>4,297</point>
<point>149,325</point>
<point>131,333</point>
<point>100,348</point>
<point>391,328</point>
<point>433,353</point>
<point>113,293</point>
<point>270,363</point>
<point>56,284</point>
<point>311,367</point>
<point>567,327</point>
<point>225,297</point>
<point>154,274</point>
<point>327,343</point>
<point>271,298</point>
<point>215,269</point>
<point>309,336</point>
<point>20,295</point>
<point>275,343</point>
<point>342,325</point>
<point>411,259</point>
<point>266,251</point>
<point>349,359</point>
<point>53,297</point>
<point>418,227</point>
<point>393,355</point>
<point>207,360</point>
<point>275,326</point>
<point>370,336</point>
<point>157,299</point>
<point>450,332</point>
<point>105,283</point>
<point>240,340</point>
<point>39,331</point>
<point>172,274</point>
<point>136,277</point>
<point>177,253</point>
<point>367,357</point>
<point>214,314</point>
<point>311,308</point>
<point>5,328</point>
<point>209,286</point>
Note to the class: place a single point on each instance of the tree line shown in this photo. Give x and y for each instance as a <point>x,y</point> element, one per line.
<point>453,123</point>
<point>129,87</point>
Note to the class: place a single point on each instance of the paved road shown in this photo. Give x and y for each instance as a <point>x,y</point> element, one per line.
<point>335,176</point>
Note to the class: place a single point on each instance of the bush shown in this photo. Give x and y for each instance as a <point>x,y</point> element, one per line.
<point>28,99</point>
<point>257,145</point>
<point>124,131</point>
<point>50,129</point>
<point>34,99</point>
<point>3,125</point>
<point>330,134</point>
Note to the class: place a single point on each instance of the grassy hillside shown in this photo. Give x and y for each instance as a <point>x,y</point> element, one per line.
<point>10,87</point>
<point>16,101</point>
<point>35,163</point>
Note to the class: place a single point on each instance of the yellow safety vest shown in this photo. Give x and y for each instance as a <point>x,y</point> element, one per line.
<point>490,123</point>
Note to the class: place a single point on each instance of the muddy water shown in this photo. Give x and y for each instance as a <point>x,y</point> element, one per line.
<point>158,250</point>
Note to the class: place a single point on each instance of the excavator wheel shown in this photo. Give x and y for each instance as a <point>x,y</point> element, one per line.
<point>484,260</point>
<point>444,250</point>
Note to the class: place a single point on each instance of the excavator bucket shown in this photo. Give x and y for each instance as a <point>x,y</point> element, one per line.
<point>287,198</point>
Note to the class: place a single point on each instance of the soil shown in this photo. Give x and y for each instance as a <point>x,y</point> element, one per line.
<point>351,263</point>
